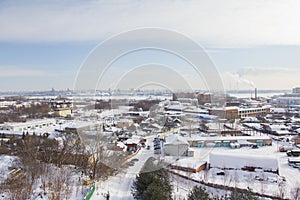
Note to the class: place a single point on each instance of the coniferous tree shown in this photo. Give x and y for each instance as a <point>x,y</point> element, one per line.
<point>152,183</point>
<point>237,195</point>
<point>198,193</point>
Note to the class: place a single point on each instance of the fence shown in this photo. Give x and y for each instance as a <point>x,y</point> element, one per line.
<point>90,193</point>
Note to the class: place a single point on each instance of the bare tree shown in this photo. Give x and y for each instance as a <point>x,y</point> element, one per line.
<point>236,179</point>
<point>97,153</point>
<point>250,181</point>
<point>69,151</point>
<point>205,176</point>
<point>281,189</point>
<point>225,176</point>
<point>20,187</point>
<point>295,192</point>
<point>102,161</point>
<point>262,184</point>
<point>56,183</point>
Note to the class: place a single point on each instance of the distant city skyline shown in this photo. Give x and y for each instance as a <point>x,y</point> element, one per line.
<point>253,44</point>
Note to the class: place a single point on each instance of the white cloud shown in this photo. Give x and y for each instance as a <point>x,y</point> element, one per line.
<point>233,81</point>
<point>254,71</point>
<point>9,71</point>
<point>262,78</point>
<point>216,22</point>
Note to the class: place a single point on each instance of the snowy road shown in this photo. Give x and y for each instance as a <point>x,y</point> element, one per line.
<point>119,186</point>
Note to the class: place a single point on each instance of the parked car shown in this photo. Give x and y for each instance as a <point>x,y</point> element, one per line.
<point>285,148</point>
<point>295,152</point>
<point>135,159</point>
<point>295,165</point>
<point>221,173</point>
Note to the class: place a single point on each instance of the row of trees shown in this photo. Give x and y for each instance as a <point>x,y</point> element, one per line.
<point>13,114</point>
<point>200,193</point>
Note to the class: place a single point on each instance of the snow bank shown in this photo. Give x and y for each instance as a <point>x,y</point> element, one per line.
<point>6,164</point>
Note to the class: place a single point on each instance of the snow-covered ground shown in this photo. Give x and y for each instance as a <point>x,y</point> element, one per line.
<point>7,163</point>
<point>182,187</point>
<point>258,181</point>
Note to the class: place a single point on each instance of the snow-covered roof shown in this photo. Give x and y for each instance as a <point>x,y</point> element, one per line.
<point>155,125</point>
<point>175,139</point>
<point>175,145</point>
<point>125,120</point>
<point>113,129</point>
<point>295,119</point>
<point>135,125</point>
<point>238,161</point>
<point>176,107</point>
<point>207,116</point>
<point>196,110</point>
<point>189,162</point>
<point>277,127</point>
<point>250,119</point>
<point>253,125</point>
<point>282,132</point>
<point>215,126</point>
<point>226,108</point>
<point>121,145</point>
<point>228,138</point>
<point>244,142</point>
<point>29,123</point>
<point>79,124</point>
<point>278,110</point>
<point>132,141</point>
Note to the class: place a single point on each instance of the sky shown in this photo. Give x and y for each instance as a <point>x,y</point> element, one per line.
<point>252,44</point>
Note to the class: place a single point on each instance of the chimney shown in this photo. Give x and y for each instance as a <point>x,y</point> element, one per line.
<point>255,93</point>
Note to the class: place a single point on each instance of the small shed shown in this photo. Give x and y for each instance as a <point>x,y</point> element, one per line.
<point>200,144</point>
<point>175,145</point>
<point>217,143</point>
<point>226,143</point>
